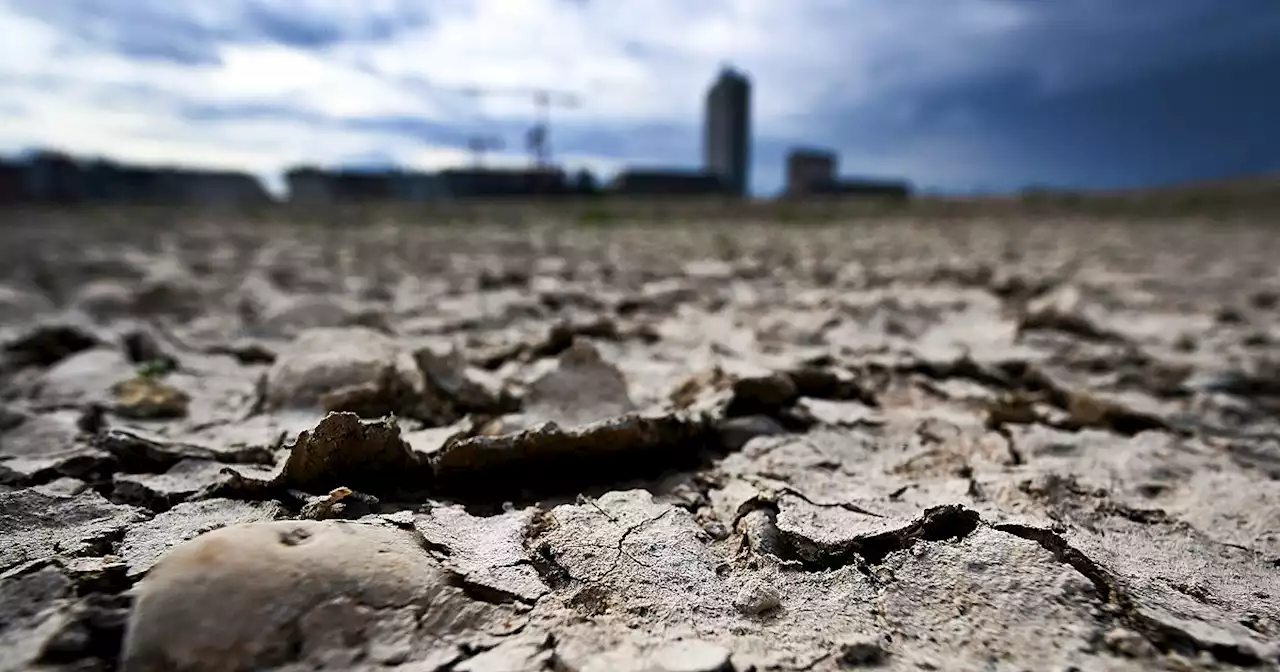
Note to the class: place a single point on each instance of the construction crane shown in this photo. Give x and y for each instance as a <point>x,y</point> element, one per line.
<point>479,144</point>
<point>536,138</point>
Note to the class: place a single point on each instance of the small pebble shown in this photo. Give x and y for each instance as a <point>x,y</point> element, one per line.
<point>717,530</point>
<point>757,597</point>
<point>1128,643</point>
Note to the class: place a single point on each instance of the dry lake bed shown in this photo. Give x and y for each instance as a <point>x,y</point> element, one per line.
<point>900,444</point>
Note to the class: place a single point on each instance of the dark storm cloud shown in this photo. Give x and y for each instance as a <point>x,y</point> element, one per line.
<point>1087,93</point>
<point>1212,118</point>
<point>190,34</point>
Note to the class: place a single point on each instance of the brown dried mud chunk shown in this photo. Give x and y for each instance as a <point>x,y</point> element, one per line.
<point>832,534</point>
<point>340,502</point>
<point>385,396</point>
<point>828,534</point>
<point>170,292</point>
<point>702,384</point>
<point>774,395</point>
<point>486,553</point>
<point>583,388</point>
<point>454,389</point>
<point>42,447</point>
<point>246,352</point>
<point>97,574</point>
<point>860,652</point>
<point>142,346</point>
<point>765,395</point>
<point>159,492</point>
<point>47,344</point>
<point>630,445</point>
<point>327,359</point>
<point>36,526</point>
<point>264,594</point>
<point>341,451</point>
<point>562,335</point>
<point>137,452</point>
<point>1062,311</point>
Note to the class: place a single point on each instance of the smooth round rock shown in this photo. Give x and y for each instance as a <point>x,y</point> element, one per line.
<point>242,597</point>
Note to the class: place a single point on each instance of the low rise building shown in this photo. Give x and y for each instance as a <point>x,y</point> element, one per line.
<point>488,183</point>
<point>13,182</point>
<point>884,189</point>
<point>309,186</point>
<point>668,183</point>
<point>810,171</point>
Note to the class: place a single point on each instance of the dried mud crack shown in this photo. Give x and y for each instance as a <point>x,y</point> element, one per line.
<point>901,445</point>
<point>1165,636</point>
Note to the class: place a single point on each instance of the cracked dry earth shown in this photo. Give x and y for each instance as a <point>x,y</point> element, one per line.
<point>902,445</point>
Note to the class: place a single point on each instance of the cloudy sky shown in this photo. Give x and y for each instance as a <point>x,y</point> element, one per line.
<point>951,94</point>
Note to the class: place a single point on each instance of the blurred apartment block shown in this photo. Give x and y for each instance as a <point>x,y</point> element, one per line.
<point>50,177</point>
<point>318,186</point>
<point>813,172</point>
<point>727,130</point>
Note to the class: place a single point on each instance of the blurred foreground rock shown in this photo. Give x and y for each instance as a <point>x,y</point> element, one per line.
<point>320,593</point>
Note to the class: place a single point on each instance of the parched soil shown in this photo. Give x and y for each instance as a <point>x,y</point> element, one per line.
<point>900,444</point>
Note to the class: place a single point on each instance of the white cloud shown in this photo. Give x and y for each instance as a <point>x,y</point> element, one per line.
<point>634,62</point>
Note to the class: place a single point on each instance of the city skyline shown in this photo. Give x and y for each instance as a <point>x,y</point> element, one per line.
<point>954,96</point>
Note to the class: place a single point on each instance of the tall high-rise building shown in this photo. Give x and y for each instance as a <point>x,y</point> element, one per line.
<point>727,135</point>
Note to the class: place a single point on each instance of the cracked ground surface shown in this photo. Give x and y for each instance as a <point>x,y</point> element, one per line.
<point>890,444</point>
